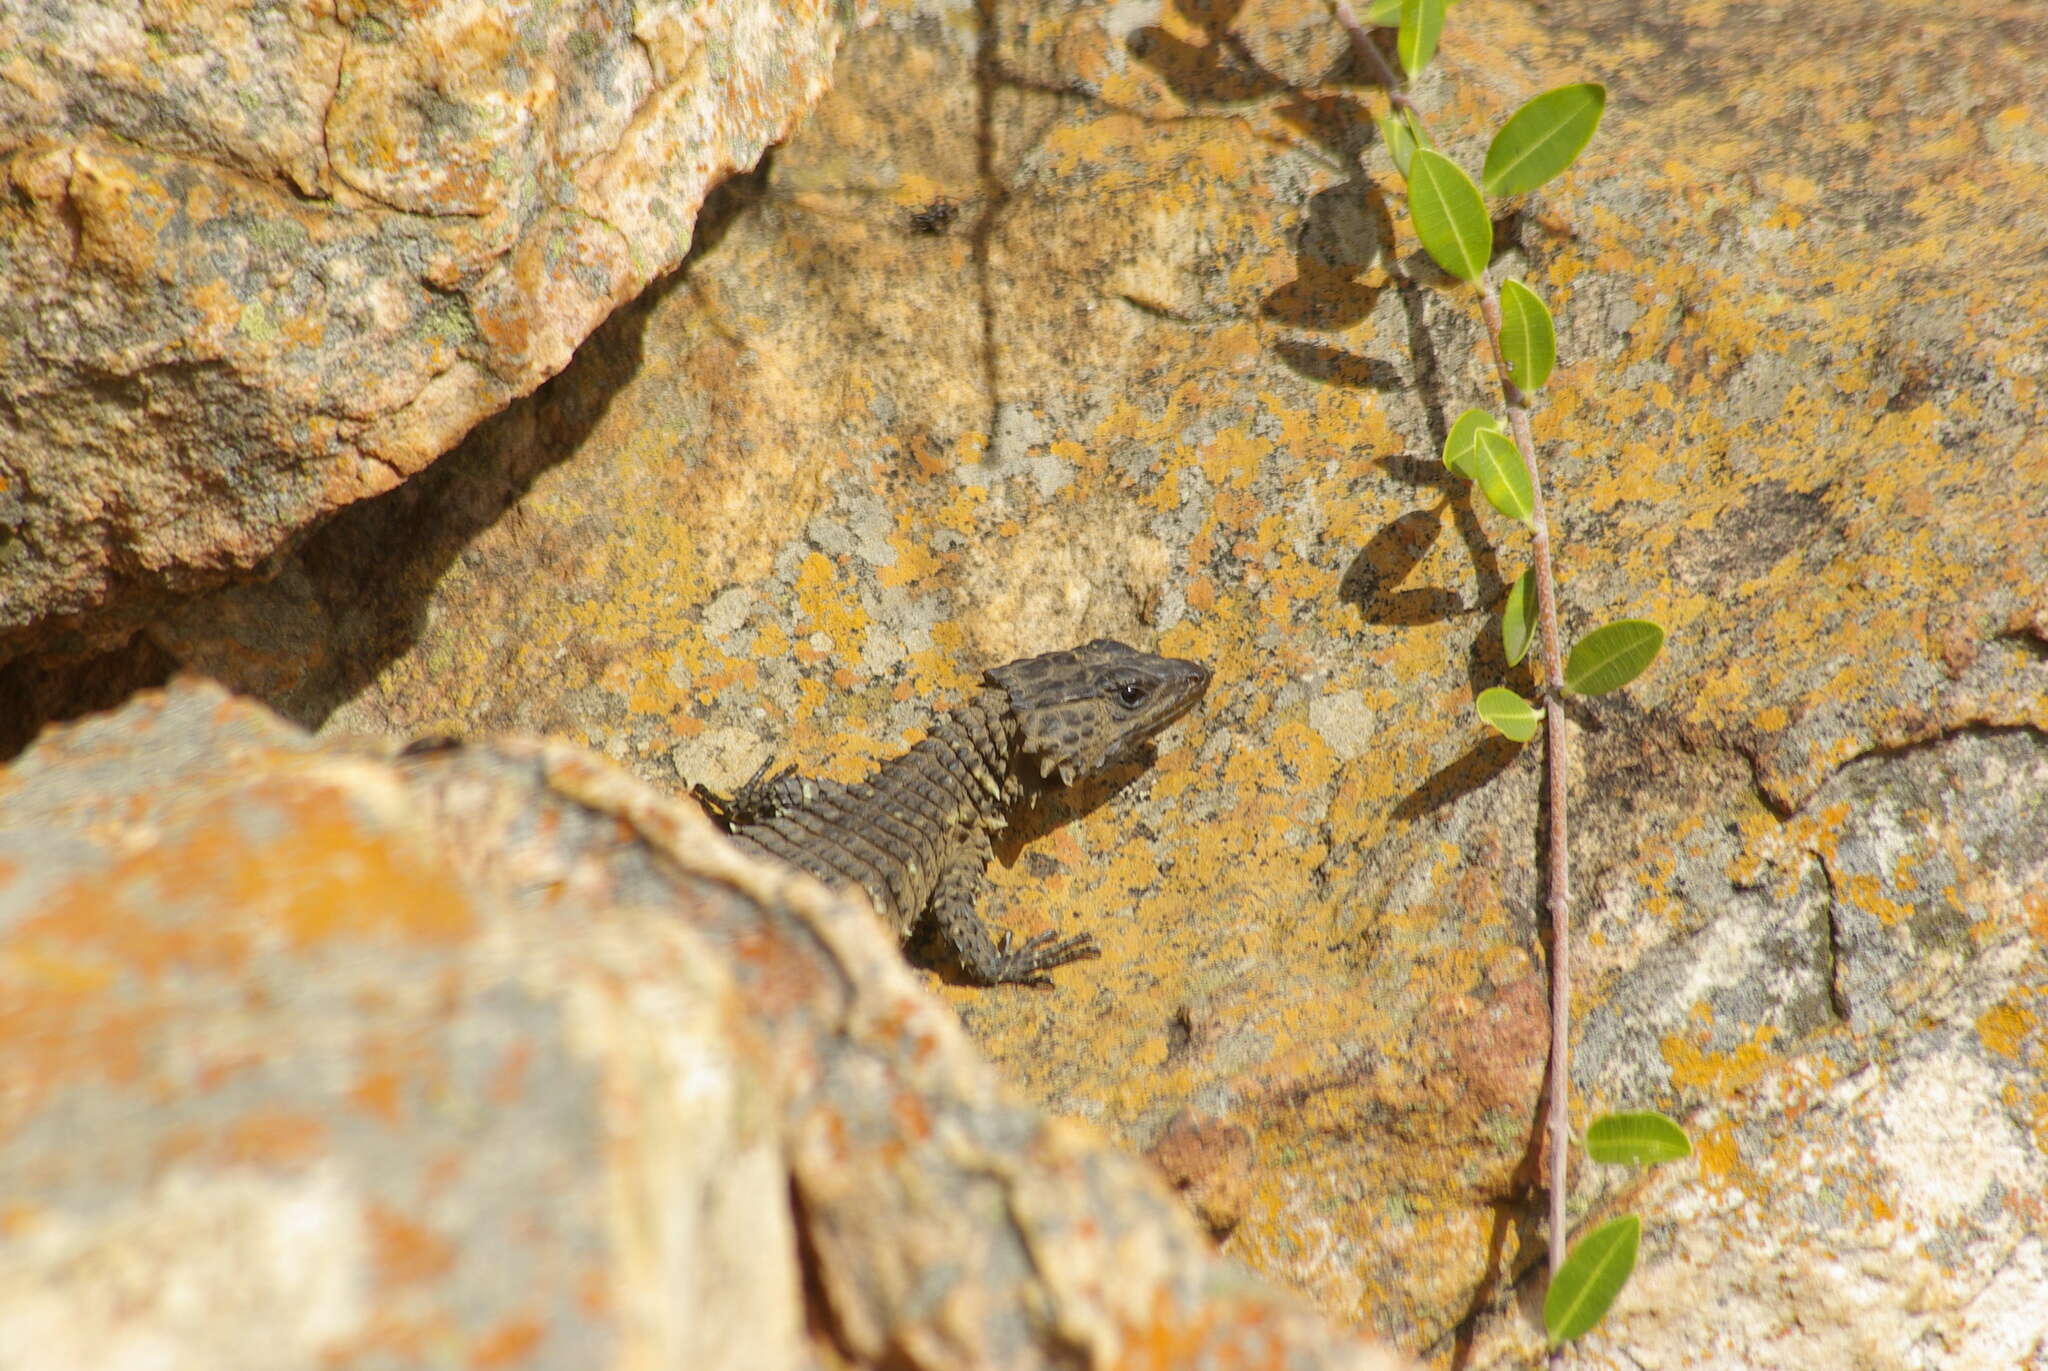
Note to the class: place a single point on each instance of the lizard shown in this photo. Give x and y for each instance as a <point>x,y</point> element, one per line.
<point>917,836</point>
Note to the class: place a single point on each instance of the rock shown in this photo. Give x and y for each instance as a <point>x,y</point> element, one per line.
<point>260,263</point>
<point>1209,1161</point>
<point>319,1057</point>
<point>1174,372</point>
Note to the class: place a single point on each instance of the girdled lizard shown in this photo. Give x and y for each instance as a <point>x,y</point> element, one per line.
<point>917,835</point>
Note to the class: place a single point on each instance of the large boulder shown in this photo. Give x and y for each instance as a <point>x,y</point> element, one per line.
<point>259,262</point>
<point>492,1056</point>
<point>1062,319</point>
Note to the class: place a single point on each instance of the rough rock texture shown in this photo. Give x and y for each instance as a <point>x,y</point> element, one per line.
<point>496,1058</point>
<point>258,262</point>
<point>1174,373</point>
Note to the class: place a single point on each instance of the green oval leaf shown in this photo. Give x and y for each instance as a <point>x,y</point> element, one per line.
<point>1508,714</point>
<point>1386,14</point>
<point>1464,437</point>
<point>1609,658</point>
<point>1422,22</point>
<point>1542,138</point>
<point>1527,337</point>
<point>1585,1286</point>
<point>1403,134</point>
<point>1638,1137</point>
<point>1496,464</point>
<point>1518,619</point>
<point>1400,141</point>
<point>1450,214</point>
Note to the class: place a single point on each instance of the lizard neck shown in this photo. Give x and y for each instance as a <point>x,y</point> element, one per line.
<point>979,744</point>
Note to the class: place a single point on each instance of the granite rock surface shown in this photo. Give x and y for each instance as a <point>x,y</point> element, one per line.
<point>1055,320</point>
<point>258,262</point>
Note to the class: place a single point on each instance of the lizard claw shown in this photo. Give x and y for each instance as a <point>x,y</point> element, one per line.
<point>1029,963</point>
<point>763,797</point>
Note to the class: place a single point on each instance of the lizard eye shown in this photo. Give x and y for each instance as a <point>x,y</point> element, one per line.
<point>1132,694</point>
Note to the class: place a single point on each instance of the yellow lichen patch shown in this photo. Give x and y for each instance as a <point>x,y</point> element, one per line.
<point>2003,1028</point>
<point>1720,1160</point>
<point>915,562</point>
<point>1719,1074</point>
<point>828,604</point>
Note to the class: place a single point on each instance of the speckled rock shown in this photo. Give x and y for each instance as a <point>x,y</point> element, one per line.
<point>258,262</point>
<point>1172,370</point>
<point>494,1057</point>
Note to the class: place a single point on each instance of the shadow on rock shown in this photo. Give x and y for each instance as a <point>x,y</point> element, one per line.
<point>1371,581</point>
<point>352,595</point>
<point>1219,69</point>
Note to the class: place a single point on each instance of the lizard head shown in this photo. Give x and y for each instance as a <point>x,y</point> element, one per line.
<point>1081,710</point>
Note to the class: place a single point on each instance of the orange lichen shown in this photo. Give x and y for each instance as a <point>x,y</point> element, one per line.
<point>508,1344</point>
<point>404,1252</point>
<point>2004,1028</point>
<point>1719,1073</point>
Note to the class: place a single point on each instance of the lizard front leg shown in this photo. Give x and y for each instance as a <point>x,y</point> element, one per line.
<point>763,797</point>
<point>986,961</point>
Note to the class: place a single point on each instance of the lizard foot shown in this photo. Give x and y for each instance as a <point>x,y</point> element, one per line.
<point>760,799</point>
<point>1028,964</point>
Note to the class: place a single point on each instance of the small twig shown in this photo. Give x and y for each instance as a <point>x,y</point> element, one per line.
<point>1556,751</point>
<point>1361,43</point>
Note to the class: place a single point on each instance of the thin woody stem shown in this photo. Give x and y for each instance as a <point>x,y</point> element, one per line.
<point>1557,736</point>
<point>1362,44</point>
<point>1556,751</point>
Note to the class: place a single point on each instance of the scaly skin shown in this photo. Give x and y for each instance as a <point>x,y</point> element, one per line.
<point>917,836</point>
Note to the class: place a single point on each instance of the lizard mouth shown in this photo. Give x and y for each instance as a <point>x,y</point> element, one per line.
<point>1189,682</point>
<point>1185,685</point>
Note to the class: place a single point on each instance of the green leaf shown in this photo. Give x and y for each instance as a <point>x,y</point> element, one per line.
<point>1609,658</point>
<point>1400,141</point>
<point>1450,214</point>
<point>1422,22</point>
<point>1503,477</point>
<point>1386,13</point>
<point>1542,138</point>
<point>1527,337</point>
<point>1508,713</point>
<point>1518,619</point>
<point>1585,1286</point>
<point>1402,132</point>
<point>1464,437</point>
<point>1639,1137</point>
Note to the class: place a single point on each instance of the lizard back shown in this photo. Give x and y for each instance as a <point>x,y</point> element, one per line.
<point>916,835</point>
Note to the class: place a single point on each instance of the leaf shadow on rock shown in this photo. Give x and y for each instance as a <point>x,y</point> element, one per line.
<point>1347,226</point>
<point>1373,579</point>
<point>1346,229</point>
<point>1369,584</point>
<point>1220,70</point>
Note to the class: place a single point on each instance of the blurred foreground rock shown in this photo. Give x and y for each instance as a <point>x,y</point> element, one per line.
<point>492,1057</point>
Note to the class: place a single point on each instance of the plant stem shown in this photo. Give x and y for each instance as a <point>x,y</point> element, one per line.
<point>1556,753</point>
<point>1557,732</point>
<point>1362,44</point>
